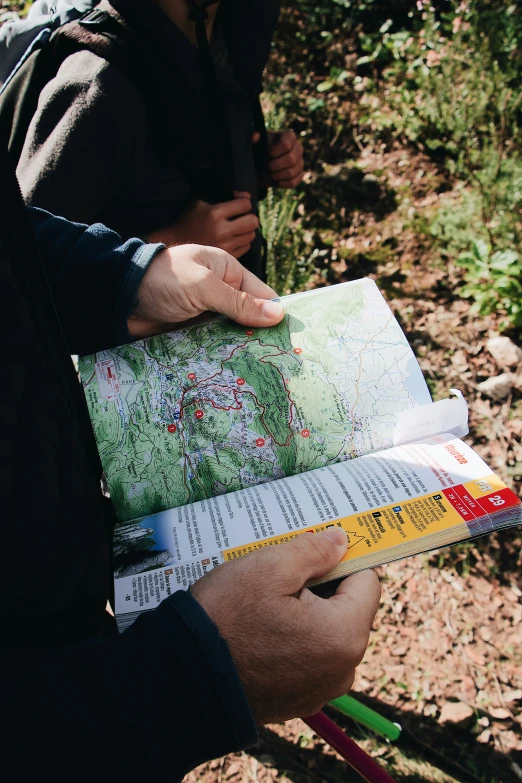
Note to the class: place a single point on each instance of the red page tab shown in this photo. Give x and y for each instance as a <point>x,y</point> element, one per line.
<point>458,504</point>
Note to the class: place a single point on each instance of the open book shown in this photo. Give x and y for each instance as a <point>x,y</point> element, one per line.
<point>219,439</point>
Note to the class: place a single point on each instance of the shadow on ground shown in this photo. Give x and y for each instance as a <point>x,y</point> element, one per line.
<point>342,190</point>
<point>452,752</point>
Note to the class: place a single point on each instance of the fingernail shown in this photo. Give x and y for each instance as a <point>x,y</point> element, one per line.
<point>272,309</point>
<point>336,535</point>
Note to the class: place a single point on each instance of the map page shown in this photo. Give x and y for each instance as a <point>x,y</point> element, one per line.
<point>219,407</point>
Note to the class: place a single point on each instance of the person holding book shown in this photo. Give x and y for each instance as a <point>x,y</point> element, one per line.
<point>171,145</point>
<point>190,680</point>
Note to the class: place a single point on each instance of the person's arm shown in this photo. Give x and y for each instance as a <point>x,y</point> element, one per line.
<point>94,277</point>
<point>108,293</point>
<point>81,143</point>
<point>147,705</point>
<point>170,692</point>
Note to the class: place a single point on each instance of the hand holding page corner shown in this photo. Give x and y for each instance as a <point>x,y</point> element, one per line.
<point>214,408</point>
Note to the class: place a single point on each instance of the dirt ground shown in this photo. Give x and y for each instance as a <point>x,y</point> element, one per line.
<point>449,628</point>
<point>450,624</point>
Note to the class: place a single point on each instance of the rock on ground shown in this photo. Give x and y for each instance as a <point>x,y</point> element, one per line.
<point>498,386</point>
<point>504,351</point>
<point>457,714</point>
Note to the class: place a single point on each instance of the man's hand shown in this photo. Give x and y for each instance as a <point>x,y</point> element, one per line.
<point>293,650</point>
<point>230,226</point>
<point>183,282</point>
<point>285,159</point>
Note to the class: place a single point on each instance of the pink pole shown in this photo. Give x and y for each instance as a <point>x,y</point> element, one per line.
<point>355,756</point>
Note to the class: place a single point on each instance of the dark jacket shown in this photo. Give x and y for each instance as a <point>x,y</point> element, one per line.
<point>17,35</point>
<point>101,148</point>
<point>78,701</point>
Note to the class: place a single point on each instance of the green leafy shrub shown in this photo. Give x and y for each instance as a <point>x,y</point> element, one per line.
<point>290,264</point>
<point>493,280</point>
<point>289,260</point>
<point>452,87</point>
<point>457,223</point>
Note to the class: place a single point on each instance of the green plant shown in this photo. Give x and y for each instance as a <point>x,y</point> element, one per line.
<point>289,263</point>
<point>452,90</point>
<point>493,281</point>
<point>457,222</point>
<point>336,78</point>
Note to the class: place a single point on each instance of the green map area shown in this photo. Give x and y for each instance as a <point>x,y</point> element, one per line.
<point>214,408</point>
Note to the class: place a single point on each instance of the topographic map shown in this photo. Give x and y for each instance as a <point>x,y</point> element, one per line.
<point>217,407</point>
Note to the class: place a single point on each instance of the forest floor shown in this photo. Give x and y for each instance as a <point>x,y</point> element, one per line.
<point>449,628</point>
<point>450,624</point>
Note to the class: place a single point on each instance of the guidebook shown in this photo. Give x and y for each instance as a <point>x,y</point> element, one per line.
<point>219,439</point>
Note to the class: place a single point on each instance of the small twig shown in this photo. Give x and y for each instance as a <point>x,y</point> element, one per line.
<point>432,591</point>
<point>499,690</point>
<point>337,134</point>
<point>449,625</point>
<point>356,139</point>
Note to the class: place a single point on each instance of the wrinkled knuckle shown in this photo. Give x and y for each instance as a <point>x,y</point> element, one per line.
<point>263,572</point>
<point>322,547</point>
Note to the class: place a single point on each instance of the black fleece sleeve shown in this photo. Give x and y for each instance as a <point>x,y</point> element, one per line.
<point>148,705</point>
<point>94,278</point>
<point>80,144</point>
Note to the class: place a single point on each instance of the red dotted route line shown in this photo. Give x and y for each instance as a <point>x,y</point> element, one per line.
<point>240,382</point>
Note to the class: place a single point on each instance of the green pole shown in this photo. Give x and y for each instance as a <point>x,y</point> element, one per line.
<point>367,717</point>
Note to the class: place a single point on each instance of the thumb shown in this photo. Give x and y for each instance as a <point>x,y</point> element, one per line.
<point>256,136</point>
<point>309,556</point>
<point>243,307</point>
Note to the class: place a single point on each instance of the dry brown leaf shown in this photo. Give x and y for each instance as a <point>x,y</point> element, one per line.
<point>475,656</point>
